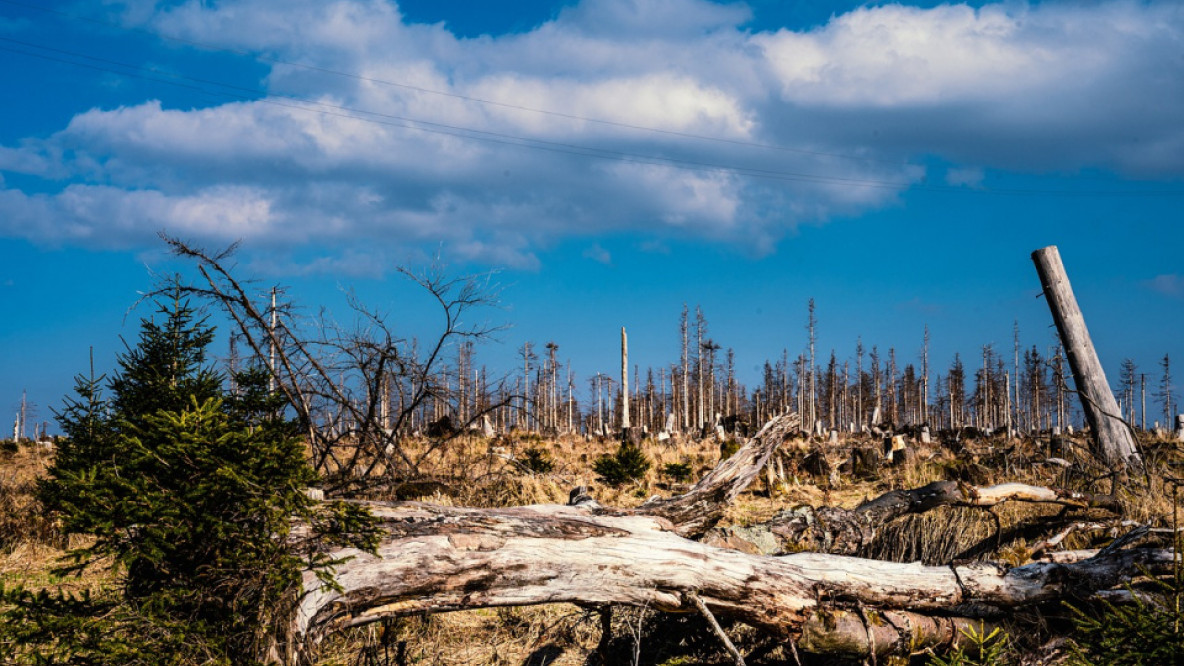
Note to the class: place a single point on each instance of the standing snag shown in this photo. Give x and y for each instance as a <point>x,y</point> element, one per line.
<point>1113,438</point>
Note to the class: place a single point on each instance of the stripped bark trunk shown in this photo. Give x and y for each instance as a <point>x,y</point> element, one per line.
<point>1114,442</point>
<point>437,559</point>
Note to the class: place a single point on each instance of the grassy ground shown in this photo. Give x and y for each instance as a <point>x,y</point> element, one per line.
<point>473,471</point>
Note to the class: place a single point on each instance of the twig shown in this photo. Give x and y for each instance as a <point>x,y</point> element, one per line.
<point>719,632</point>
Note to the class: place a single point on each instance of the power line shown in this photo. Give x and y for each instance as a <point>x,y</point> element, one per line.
<point>263,97</point>
<point>453,95</point>
<point>426,125</point>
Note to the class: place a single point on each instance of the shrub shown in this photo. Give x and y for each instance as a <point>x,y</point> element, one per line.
<point>1148,631</point>
<point>628,464</point>
<point>680,472</point>
<point>191,495</point>
<point>982,649</point>
<point>536,461</point>
<point>728,448</point>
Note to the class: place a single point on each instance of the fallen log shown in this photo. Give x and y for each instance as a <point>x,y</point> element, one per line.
<point>871,634</point>
<point>704,504</point>
<point>437,559</point>
<point>849,531</point>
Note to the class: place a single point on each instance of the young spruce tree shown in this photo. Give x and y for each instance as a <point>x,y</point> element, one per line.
<point>192,494</point>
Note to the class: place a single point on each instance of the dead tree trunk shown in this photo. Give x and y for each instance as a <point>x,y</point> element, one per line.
<point>841,531</point>
<point>1114,442</point>
<point>625,422</point>
<point>437,559</point>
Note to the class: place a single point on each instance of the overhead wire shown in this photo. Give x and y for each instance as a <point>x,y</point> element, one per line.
<point>256,95</point>
<point>391,120</point>
<point>477,100</point>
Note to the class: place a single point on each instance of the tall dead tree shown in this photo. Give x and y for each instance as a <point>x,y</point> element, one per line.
<point>1113,440</point>
<point>813,391</point>
<point>925,378</point>
<point>1165,390</point>
<point>625,422</point>
<point>686,370</point>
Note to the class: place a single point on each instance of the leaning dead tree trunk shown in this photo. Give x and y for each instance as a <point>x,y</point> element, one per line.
<point>1113,437</point>
<point>438,559</point>
<point>703,505</point>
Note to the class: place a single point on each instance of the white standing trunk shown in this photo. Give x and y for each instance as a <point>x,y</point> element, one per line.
<point>624,380</point>
<point>1115,444</point>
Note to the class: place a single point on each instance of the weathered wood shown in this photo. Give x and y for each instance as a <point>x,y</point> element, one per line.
<point>625,422</point>
<point>845,633</point>
<point>703,505</point>
<point>1114,442</point>
<point>848,531</point>
<point>436,559</point>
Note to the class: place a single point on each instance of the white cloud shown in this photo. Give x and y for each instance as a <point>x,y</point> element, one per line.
<point>114,217</point>
<point>893,56</point>
<point>597,253</point>
<point>847,105</point>
<point>1169,284</point>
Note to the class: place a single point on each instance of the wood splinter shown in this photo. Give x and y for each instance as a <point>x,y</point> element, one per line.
<point>718,630</point>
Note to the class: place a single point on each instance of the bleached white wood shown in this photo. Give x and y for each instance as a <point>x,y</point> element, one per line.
<point>1116,446</point>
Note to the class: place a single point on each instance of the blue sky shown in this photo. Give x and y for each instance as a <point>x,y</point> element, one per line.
<point>612,159</point>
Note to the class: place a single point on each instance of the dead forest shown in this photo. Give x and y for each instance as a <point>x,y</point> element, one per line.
<point>868,507</point>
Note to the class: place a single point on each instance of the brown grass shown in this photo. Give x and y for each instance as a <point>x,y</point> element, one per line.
<point>473,471</point>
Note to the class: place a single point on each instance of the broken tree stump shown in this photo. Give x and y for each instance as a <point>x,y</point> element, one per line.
<point>1113,440</point>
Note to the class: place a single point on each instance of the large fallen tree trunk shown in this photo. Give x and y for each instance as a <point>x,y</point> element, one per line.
<point>436,559</point>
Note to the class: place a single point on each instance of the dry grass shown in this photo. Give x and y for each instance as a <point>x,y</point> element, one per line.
<point>557,634</point>
<point>473,471</point>
<point>22,522</point>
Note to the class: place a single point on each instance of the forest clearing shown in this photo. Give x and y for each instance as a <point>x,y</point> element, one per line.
<point>591,333</point>
<point>347,496</point>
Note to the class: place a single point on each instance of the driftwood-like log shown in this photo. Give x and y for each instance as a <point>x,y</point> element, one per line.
<point>437,559</point>
<point>704,504</point>
<point>869,634</point>
<point>847,531</point>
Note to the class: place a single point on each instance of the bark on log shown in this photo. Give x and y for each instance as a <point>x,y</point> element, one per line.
<point>1115,444</point>
<point>847,531</point>
<point>844,633</point>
